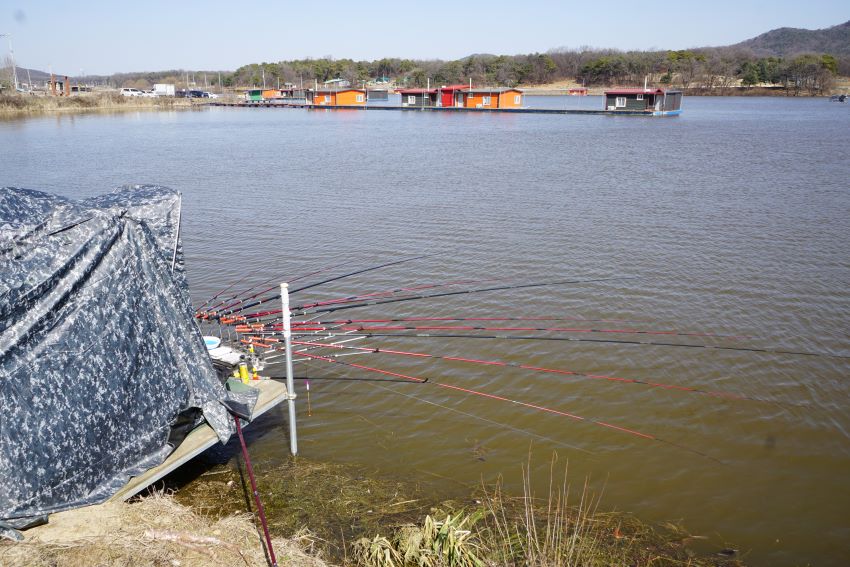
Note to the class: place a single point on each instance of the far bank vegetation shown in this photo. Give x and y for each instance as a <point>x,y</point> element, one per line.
<point>722,71</point>
<point>707,70</point>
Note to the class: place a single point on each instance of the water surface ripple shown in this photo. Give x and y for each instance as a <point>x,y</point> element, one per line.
<point>733,218</point>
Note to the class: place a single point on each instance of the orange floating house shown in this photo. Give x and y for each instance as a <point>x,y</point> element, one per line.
<point>492,98</point>
<point>337,97</point>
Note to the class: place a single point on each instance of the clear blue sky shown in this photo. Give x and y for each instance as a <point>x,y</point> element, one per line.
<point>148,35</point>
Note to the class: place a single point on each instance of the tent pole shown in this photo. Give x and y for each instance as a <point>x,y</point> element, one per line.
<point>290,385</point>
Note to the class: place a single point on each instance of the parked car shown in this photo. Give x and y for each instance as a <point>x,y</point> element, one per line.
<point>149,94</point>
<point>210,95</point>
<point>128,91</point>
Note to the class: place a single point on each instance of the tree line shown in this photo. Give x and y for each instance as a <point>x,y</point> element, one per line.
<point>707,69</point>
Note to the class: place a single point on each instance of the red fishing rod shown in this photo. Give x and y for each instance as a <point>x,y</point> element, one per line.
<point>248,327</point>
<point>417,380</point>
<point>583,340</point>
<point>260,510</point>
<point>488,319</point>
<point>317,326</point>
<point>387,292</point>
<point>213,298</point>
<point>500,363</point>
<point>353,298</point>
<point>243,299</point>
<point>451,293</point>
<point>328,280</point>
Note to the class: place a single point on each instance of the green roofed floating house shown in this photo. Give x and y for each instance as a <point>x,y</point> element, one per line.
<point>657,102</point>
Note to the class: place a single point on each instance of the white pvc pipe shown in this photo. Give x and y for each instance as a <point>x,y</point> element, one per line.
<point>290,383</point>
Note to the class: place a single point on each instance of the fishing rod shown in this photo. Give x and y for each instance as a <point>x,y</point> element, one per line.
<point>488,319</point>
<point>450,293</point>
<point>278,278</point>
<point>213,298</point>
<point>589,340</point>
<point>417,380</point>
<point>390,292</point>
<point>500,363</point>
<point>353,298</point>
<point>333,279</point>
<point>274,326</point>
<point>316,326</point>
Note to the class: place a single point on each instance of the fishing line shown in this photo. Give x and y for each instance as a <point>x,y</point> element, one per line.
<point>484,419</point>
<point>416,380</point>
<point>500,363</point>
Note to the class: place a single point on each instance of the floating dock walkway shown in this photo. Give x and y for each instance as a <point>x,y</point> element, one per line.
<point>439,109</point>
<point>199,440</point>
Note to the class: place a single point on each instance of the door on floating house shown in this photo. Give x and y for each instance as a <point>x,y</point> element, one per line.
<point>460,100</point>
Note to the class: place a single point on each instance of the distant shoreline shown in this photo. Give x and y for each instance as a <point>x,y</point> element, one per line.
<point>22,106</point>
<point>17,106</point>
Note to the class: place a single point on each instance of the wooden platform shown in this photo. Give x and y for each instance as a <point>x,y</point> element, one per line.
<point>199,440</point>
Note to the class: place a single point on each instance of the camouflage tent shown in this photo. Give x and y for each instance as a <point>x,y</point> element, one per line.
<point>102,368</point>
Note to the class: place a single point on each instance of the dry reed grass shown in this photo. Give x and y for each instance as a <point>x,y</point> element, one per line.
<point>12,105</point>
<point>554,531</point>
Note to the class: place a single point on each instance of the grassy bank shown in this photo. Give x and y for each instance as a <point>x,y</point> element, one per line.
<point>321,513</point>
<point>13,105</point>
<point>356,517</point>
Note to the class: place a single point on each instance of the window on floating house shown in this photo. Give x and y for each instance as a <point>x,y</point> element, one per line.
<point>620,102</point>
<point>411,99</point>
<point>327,98</point>
<point>485,101</point>
<point>517,99</point>
<point>360,98</point>
<point>640,97</point>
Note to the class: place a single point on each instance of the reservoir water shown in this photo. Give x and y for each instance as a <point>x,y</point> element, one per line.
<point>732,219</point>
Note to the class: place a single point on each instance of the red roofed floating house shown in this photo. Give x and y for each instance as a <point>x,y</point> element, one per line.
<point>452,95</point>
<point>461,96</point>
<point>657,102</point>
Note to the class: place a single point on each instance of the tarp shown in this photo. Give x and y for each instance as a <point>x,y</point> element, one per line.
<point>102,368</point>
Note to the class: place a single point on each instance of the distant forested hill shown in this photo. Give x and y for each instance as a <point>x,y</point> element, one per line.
<point>785,42</point>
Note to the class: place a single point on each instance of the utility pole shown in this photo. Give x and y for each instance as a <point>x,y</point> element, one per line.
<point>12,57</point>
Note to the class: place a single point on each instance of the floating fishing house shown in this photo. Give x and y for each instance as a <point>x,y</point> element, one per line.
<point>492,98</point>
<point>418,97</point>
<point>377,95</point>
<point>261,95</point>
<point>336,97</point>
<point>451,96</point>
<point>657,102</point>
